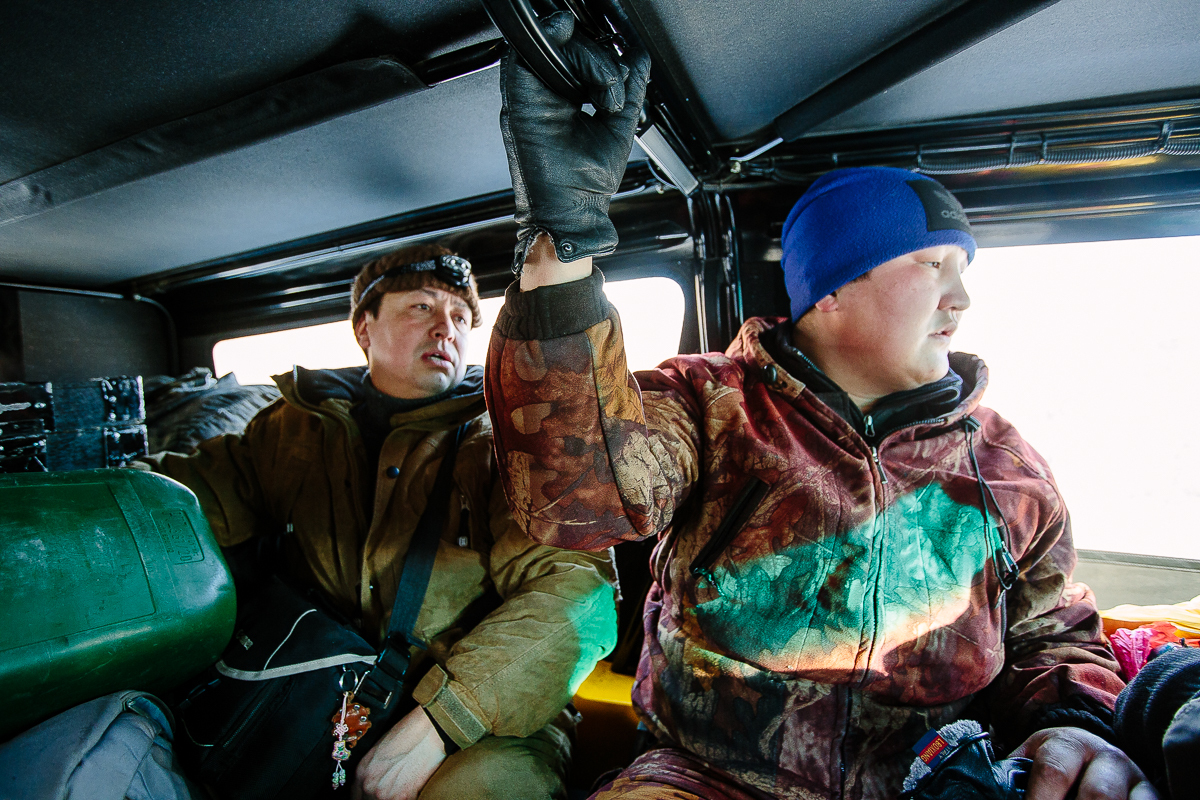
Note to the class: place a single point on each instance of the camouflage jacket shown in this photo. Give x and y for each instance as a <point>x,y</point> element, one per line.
<point>817,605</point>
<point>514,626</point>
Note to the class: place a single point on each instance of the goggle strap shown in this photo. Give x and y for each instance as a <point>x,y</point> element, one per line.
<point>452,270</point>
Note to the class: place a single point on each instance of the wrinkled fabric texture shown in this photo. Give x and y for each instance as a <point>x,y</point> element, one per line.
<point>183,412</point>
<point>1181,751</point>
<point>116,746</point>
<point>513,626</point>
<point>508,767</point>
<point>669,772</point>
<point>1158,720</point>
<point>855,608</point>
<point>566,164</point>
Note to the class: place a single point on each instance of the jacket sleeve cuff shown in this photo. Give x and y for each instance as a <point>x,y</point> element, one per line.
<point>1096,720</point>
<point>549,312</point>
<point>451,714</point>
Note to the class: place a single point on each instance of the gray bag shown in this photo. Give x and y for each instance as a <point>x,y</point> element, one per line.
<point>115,747</point>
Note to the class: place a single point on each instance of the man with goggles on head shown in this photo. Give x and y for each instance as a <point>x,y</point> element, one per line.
<point>346,461</point>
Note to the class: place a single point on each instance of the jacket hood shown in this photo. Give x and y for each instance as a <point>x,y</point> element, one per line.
<point>749,350</point>
<point>336,391</point>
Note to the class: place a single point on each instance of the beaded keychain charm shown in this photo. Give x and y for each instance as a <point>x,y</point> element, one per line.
<point>349,726</point>
<point>340,751</point>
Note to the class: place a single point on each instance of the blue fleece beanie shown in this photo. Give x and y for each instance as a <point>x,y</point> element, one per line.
<point>852,220</point>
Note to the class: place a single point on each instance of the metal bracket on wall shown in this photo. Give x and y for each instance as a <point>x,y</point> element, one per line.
<point>667,160</point>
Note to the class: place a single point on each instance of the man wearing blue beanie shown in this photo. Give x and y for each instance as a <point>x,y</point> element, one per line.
<point>853,551</point>
<point>891,333</point>
<point>852,220</point>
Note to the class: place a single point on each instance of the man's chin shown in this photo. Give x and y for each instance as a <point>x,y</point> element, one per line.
<point>438,384</point>
<point>438,380</point>
<point>933,369</point>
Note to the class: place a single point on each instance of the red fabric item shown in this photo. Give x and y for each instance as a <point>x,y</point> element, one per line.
<point>1133,646</point>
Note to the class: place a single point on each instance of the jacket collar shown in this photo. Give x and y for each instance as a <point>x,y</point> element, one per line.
<point>333,392</point>
<point>751,349</point>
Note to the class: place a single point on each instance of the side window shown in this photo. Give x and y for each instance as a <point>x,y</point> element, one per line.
<point>254,359</point>
<point>651,314</point>
<point>1092,353</point>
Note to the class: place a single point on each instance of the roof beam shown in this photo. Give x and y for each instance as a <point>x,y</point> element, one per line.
<point>946,36</point>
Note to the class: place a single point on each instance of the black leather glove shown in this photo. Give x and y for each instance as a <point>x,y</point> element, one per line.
<point>967,769</point>
<point>565,164</point>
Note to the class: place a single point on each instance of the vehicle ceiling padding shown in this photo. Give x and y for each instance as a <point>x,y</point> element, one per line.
<point>747,61</point>
<point>79,76</point>
<point>265,114</point>
<point>426,148</point>
<point>118,161</point>
<point>1070,53</point>
<point>744,63</point>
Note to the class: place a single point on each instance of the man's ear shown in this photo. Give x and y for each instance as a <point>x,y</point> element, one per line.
<point>361,334</point>
<point>827,303</point>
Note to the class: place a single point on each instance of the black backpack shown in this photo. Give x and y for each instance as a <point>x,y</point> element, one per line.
<point>259,724</point>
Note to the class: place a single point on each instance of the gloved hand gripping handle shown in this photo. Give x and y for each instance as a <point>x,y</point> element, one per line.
<point>565,163</point>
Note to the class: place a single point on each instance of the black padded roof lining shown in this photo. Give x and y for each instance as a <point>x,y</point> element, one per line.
<point>431,147</point>
<point>268,113</point>
<point>743,64</point>
<point>747,62</point>
<point>78,76</point>
<point>1075,52</point>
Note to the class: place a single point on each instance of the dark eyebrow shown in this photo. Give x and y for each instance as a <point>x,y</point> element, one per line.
<point>457,301</point>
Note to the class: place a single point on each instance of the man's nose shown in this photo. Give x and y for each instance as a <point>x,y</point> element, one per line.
<point>443,326</point>
<point>955,298</point>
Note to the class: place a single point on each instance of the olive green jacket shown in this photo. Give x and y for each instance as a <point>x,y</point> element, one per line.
<point>514,626</point>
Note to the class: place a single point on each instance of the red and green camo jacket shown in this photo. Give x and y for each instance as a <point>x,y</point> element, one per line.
<point>814,611</point>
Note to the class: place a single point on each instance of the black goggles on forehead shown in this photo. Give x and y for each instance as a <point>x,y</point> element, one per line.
<point>451,270</point>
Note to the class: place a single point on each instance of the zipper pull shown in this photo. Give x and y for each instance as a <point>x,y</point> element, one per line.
<point>879,464</point>
<point>869,427</point>
<point>702,572</point>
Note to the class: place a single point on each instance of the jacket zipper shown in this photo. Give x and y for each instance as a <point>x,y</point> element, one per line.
<point>845,736</point>
<point>869,429</point>
<point>869,434</point>
<point>747,503</point>
<point>878,464</point>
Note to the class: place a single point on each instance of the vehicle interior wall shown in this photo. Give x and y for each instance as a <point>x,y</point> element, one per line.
<point>1118,578</point>
<point>56,336</point>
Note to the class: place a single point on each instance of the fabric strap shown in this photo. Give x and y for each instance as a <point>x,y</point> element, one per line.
<point>387,676</point>
<point>418,564</point>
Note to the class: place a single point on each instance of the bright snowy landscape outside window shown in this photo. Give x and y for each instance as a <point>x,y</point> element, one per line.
<point>1092,353</point>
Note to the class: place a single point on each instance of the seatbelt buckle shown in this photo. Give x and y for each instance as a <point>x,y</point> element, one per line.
<point>381,686</point>
<point>393,660</point>
<point>378,690</point>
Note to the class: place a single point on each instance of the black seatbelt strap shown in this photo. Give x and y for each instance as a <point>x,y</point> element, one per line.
<point>385,678</point>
